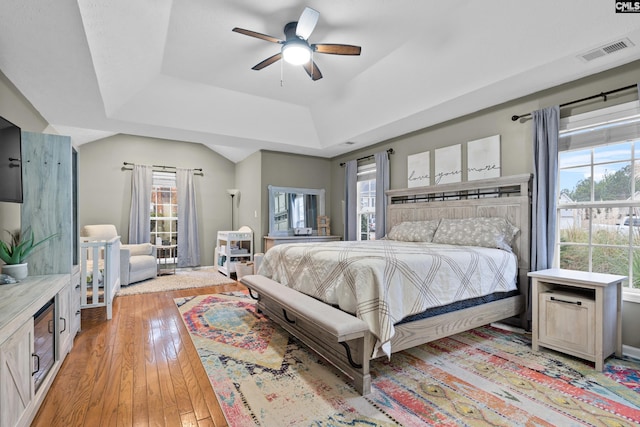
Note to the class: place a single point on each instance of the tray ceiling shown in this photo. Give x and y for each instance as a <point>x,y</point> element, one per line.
<point>175,70</point>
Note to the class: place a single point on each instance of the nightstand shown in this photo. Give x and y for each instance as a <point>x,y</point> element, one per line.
<point>577,313</point>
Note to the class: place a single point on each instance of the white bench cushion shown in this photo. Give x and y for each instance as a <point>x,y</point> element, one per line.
<point>333,320</point>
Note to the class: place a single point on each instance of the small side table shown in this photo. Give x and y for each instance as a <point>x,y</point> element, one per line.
<point>577,313</point>
<point>167,259</point>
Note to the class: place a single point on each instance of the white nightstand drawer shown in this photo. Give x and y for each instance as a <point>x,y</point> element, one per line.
<point>567,322</point>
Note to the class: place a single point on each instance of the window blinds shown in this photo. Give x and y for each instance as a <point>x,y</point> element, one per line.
<point>604,126</point>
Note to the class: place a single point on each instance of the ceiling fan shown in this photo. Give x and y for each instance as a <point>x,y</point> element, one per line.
<point>296,49</point>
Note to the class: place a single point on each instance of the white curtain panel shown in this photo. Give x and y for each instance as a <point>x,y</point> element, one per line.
<point>188,240</point>
<point>139,217</point>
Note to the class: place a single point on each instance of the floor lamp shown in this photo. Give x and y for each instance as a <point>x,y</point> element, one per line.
<point>232,192</point>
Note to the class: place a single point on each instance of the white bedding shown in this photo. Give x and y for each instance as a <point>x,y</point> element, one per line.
<point>384,281</point>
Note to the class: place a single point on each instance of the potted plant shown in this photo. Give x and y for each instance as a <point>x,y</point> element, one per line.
<point>15,253</point>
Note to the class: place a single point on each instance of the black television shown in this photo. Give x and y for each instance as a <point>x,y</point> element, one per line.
<point>10,163</point>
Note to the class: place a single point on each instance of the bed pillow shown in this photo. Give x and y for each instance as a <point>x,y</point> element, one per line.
<point>414,231</point>
<point>486,232</point>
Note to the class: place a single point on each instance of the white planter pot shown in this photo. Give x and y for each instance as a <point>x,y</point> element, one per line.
<point>17,271</point>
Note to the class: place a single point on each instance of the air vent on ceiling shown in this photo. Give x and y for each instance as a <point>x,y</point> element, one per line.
<point>349,143</point>
<point>606,50</point>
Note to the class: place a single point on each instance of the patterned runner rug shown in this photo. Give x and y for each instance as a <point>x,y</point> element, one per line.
<point>484,377</point>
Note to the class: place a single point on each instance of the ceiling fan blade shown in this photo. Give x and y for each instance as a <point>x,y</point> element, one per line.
<point>257,35</point>
<point>312,69</point>
<point>307,22</point>
<point>270,60</point>
<point>336,49</point>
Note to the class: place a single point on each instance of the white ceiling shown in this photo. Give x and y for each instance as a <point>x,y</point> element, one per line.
<point>174,69</point>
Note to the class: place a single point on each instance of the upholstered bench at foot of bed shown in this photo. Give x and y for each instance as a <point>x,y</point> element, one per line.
<point>342,339</point>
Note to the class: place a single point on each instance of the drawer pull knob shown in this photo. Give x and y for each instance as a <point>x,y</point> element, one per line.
<point>284,312</point>
<point>565,301</point>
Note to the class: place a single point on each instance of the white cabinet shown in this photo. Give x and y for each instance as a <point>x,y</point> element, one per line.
<point>16,383</point>
<point>233,247</point>
<point>577,313</point>
<point>32,349</point>
<point>74,305</point>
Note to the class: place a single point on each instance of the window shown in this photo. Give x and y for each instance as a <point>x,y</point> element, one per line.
<point>164,209</point>
<point>366,214</point>
<point>599,193</point>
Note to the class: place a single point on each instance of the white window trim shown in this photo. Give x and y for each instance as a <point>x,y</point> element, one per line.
<point>600,117</point>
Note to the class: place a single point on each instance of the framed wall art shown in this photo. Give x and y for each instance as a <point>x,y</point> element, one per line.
<point>483,158</point>
<point>448,164</point>
<point>419,169</point>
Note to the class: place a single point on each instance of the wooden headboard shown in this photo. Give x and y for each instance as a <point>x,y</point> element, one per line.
<point>507,197</point>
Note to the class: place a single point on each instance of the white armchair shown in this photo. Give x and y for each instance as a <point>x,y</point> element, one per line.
<point>137,261</point>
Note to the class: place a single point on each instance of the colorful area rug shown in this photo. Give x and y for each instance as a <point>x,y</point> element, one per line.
<point>484,377</point>
<point>182,279</point>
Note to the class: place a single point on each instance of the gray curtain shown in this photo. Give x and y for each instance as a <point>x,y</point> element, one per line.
<point>382,185</point>
<point>310,210</point>
<point>544,198</point>
<point>188,240</point>
<point>140,214</point>
<point>351,226</point>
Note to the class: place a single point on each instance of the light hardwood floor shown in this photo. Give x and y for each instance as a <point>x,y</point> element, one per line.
<point>138,369</point>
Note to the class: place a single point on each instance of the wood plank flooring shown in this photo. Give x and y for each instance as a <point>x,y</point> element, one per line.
<point>138,369</point>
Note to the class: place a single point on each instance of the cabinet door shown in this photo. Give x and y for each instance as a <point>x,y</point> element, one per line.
<point>16,366</point>
<point>63,309</point>
<point>567,323</point>
<point>47,201</point>
<point>74,313</point>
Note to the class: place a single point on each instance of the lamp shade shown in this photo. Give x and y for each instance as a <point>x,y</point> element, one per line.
<point>296,52</point>
<point>233,191</point>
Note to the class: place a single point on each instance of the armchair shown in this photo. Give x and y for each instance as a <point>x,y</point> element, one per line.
<point>137,261</point>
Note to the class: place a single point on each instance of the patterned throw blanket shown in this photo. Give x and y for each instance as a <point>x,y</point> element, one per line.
<point>383,281</point>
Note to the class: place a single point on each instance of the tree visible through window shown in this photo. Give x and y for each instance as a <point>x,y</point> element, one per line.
<point>164,209</point>
<point>599,197</point>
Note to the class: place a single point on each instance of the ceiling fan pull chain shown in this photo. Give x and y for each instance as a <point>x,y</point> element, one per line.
<point>281,73</point>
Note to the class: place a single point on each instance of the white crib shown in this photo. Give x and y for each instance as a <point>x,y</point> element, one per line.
<point>99,273</point>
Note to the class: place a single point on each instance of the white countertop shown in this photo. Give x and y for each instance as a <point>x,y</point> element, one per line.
<point>20,301</point>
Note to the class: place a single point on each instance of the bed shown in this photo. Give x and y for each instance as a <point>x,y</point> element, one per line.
<point>387,284</point>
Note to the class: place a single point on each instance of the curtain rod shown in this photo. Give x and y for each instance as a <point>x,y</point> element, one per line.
<point>602,95</point>
<point>163,167</point>
<point>389,151</point>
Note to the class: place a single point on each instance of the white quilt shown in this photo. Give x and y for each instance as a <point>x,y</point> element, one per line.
<point>384,281</point>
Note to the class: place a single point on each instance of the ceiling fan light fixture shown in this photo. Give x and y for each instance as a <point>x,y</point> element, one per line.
<point>296,52</point>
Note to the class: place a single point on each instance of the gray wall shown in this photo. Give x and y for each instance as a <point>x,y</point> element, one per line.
<point>515,144</point>
<point>15,108</point>
<point>248,207</point>
<point>292,170</point>
<point>105,188</point>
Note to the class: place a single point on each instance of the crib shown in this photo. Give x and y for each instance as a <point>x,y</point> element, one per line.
<point>99,273</point>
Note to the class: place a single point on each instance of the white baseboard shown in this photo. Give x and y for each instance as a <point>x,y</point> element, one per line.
<point>630,351</point>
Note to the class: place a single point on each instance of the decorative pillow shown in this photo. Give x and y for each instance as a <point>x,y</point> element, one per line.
<point>486,232</point>
<point>414,231</point>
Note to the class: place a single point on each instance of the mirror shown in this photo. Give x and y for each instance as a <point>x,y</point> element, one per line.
<point>291,207</point>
